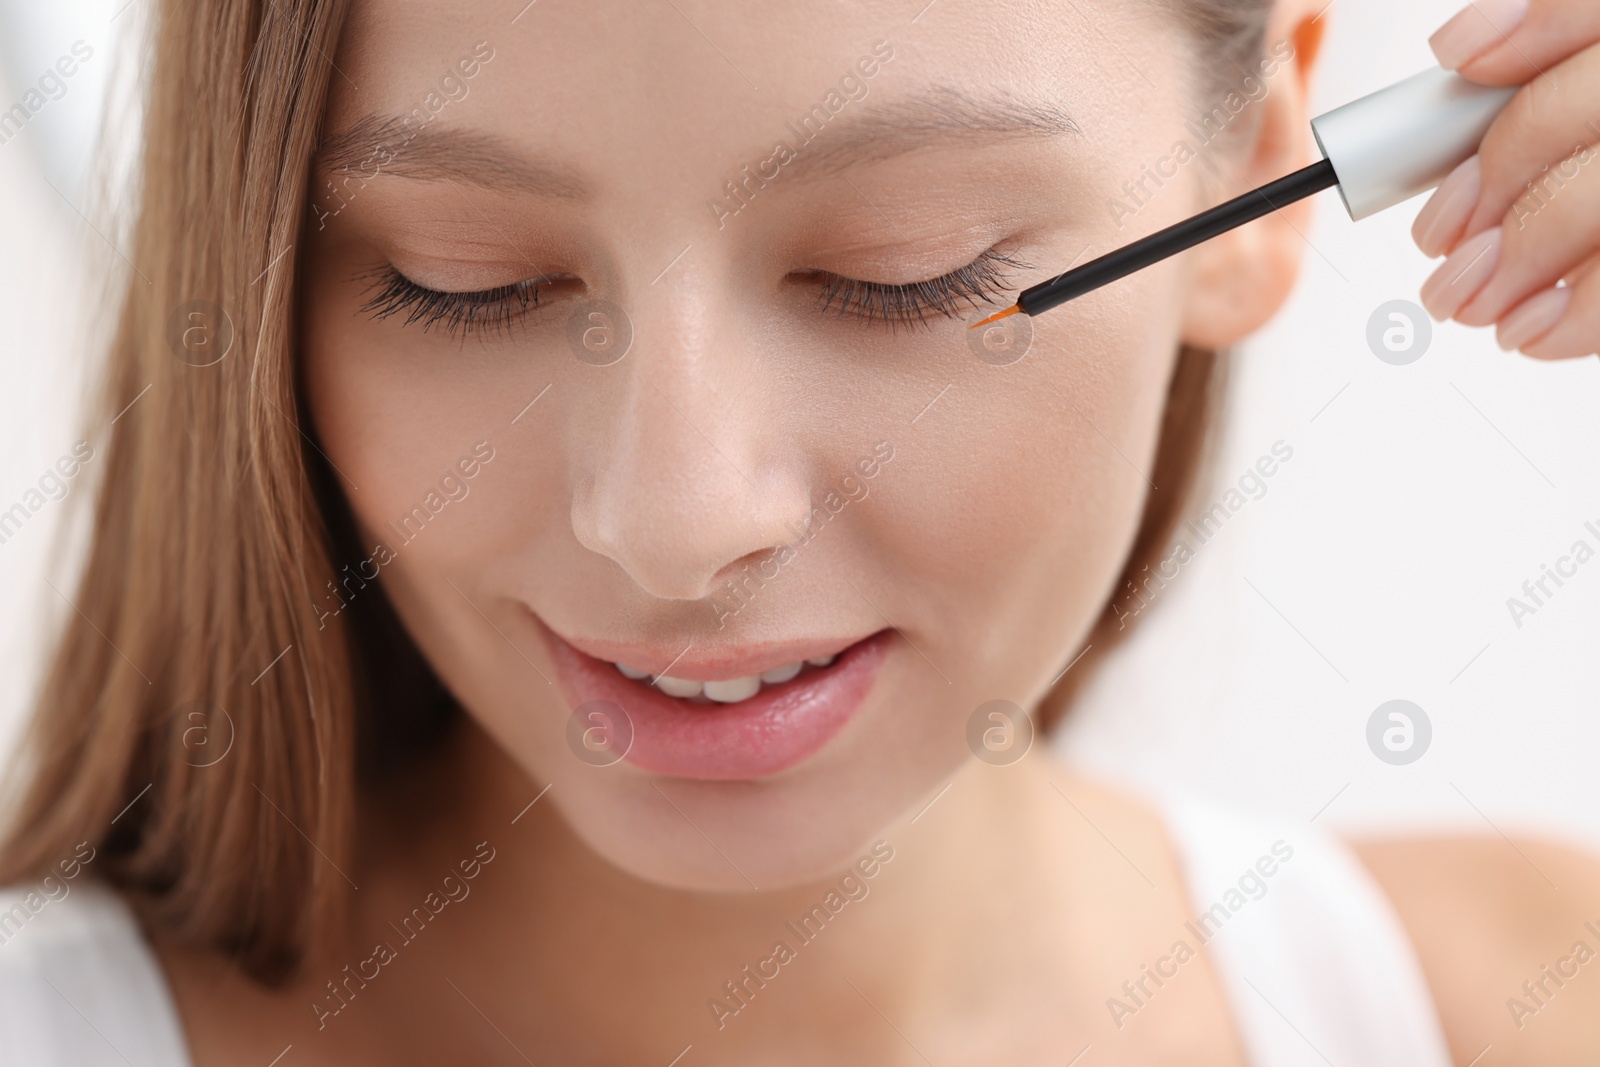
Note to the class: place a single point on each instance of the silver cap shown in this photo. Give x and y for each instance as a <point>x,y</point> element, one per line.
<point>1406,139</point>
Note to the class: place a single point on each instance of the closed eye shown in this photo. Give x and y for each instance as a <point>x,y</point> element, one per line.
<point>495,311</point>
<point>492,311</point>
<point>978,284</point>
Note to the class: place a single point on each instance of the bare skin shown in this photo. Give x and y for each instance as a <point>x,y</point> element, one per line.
<point>1487,915</point>
<point>567,960</point>
<point>1009,960</point>
<point>614,908</point>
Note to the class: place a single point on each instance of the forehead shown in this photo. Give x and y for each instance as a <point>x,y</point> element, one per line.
<point>664,89</point>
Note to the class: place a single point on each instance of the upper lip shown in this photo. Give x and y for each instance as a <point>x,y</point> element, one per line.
<point>710,664</point>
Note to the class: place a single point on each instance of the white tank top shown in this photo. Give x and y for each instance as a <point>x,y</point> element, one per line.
<point>1311,956</point>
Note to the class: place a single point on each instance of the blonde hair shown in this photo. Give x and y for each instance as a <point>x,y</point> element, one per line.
<point>206,538</point>
<point>216,527</point>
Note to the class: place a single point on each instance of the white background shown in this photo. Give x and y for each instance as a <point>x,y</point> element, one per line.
<point>1377,565</point>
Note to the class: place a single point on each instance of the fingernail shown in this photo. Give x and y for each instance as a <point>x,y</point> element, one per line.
<point>1477,28</point>
<point>1534,318</point>
<point>1459,278</point>
<point>1445,215</point>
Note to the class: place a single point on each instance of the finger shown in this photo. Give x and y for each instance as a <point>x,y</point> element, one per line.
<point>1531,326</point>
<point>1443,219</point>
<point>1577,275</point>
<point>1549,233</point>
<point>1576,332</point>
<point>1533,320</point>
<point>1461,276</point>
<point>1548,121</point>
<point>1510,42</point>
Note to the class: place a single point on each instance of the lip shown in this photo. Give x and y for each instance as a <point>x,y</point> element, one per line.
<point>710,665</point>
<point>778,728</point>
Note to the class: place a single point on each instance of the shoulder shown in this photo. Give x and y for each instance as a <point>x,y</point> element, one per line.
<point>78,983</point>
<point>52,917</point>
<point>1508,935</point>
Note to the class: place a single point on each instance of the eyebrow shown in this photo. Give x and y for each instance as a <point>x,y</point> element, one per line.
<point>935,118</point>
<point>428,153</point>
<point>821,142</point>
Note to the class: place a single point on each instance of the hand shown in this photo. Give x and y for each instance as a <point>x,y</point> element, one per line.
<point>1524,213</point>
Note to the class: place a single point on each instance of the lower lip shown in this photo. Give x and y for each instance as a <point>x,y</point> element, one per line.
<point>778,728</point>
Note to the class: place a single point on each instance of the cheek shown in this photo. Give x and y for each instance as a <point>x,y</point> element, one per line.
<point>1017,496</point>
<point>396,413</point>
<point>396,422</point>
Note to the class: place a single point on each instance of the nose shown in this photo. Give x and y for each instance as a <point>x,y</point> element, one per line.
<point>685,472</point>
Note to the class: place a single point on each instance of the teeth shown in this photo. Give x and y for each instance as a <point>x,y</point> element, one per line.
<point>781,674</point>
<point>734,689</point>
<point>679,687</point>
<point>725,691</point>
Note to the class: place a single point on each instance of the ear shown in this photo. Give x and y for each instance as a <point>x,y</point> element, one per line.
<point>1239,280</point>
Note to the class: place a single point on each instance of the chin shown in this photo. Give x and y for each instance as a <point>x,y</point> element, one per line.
<point>741,837</point>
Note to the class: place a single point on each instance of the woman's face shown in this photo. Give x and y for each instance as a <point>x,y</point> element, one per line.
<point>636,435</point>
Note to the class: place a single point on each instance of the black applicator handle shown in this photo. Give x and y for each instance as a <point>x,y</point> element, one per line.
<point>1388,147</point>
<point>1174,239</point>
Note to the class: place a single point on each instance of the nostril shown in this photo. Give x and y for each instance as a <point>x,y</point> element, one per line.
<point>661,547</point>
<point>686,535</point>
<point>742,580</point>
<point>681,489</point>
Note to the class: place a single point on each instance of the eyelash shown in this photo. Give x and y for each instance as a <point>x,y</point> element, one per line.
<point>975,285</point>
<point>497,310</point>
<point>491,310</point>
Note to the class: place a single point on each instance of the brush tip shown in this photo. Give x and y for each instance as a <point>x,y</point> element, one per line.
<point>997,316</point>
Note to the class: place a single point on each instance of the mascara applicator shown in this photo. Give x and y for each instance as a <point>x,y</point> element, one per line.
<point>1379,150</point>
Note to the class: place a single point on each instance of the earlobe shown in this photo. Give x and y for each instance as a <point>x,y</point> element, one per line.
<point>1240,279</point>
